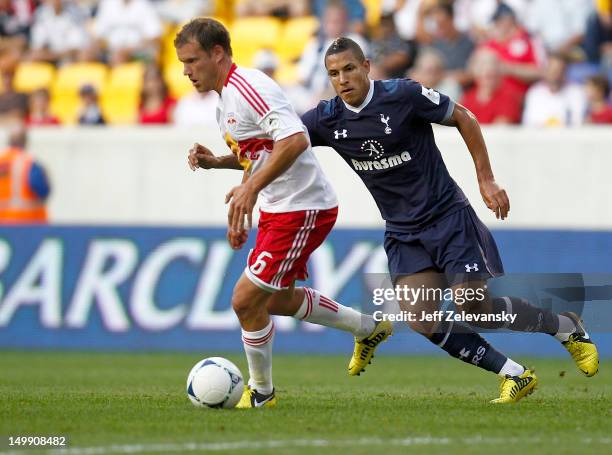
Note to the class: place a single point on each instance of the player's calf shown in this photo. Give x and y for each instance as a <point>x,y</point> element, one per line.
<point>468,346</point>
<point>566,327</point>
<point>249,303</point>
<point>311,306</point>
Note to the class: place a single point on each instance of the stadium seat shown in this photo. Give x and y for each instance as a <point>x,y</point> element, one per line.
<point>373,12</point>
<point>251,34</point>
<point>65,89</point>
<point>287,74</point>
<point>120,96</point>
<point>224,10</point>
<point>127,77</point>
<point>31,76</point>
<point>178,84</point>
<point>295,35</point>
<point>168,53</point>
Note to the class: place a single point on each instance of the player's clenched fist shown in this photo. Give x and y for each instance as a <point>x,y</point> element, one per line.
<point>237,239</point>
<point>201,157</point>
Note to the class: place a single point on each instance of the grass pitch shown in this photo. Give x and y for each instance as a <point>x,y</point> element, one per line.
<point>136,403</point>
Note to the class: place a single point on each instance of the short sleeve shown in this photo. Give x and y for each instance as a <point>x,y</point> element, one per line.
<point>272,111</point>
<point>309,119</point>
<point>428,104</point>
<point>281,122</point>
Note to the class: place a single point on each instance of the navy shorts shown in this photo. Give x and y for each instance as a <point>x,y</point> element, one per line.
<point>458,245</point>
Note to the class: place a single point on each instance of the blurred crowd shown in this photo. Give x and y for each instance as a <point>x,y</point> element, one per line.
<point>95,62</point>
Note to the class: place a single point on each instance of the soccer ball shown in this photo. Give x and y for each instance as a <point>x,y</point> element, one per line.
<point>215,382</point>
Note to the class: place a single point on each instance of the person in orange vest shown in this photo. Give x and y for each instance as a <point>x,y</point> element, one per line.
<point>24,186</point>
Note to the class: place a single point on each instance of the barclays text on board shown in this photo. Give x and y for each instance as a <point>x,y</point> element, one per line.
<point>152,279</point>
<point>95,287</point>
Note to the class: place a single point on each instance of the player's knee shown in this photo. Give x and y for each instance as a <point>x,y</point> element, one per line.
<point>242,307</point>
<point>244,303</point>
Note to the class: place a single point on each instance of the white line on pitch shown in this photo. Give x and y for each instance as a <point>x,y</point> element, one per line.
<point>288,443</point>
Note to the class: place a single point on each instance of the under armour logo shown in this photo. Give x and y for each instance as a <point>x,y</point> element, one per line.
<point>473,268</point>
<point>342,133</point>
<point>385,120</point>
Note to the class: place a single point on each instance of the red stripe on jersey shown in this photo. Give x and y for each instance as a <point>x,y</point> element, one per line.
<point>249,93</point>
<point>255,145</point>
<point>246,97</point>
<point>231,71</point>
<point>259,98</point>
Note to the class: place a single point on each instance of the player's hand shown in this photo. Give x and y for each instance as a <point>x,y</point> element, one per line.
<point>237,239</point>
<point>495,198</point>
<point>201,157</point>
<point>243,199</point>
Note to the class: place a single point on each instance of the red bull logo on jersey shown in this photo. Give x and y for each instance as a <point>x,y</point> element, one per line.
<point>383,163</point>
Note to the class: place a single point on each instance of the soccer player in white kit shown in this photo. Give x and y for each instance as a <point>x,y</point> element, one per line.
<point>298,205</point>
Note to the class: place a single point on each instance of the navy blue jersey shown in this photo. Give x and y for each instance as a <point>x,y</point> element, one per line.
<point>390,144</point>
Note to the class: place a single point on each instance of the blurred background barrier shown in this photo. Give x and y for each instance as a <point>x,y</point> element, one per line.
<point>556,178</point>
<point>168,288</point>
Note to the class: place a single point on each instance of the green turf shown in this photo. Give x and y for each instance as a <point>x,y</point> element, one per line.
<point>104,399</point>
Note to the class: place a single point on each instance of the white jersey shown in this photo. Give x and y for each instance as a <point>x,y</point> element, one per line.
<point>252,114</point>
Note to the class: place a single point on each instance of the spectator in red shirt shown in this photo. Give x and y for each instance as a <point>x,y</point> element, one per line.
<point>514,48</point>
<point>597,90</point>
<point>38,109</point>
<point>156,105</point>
<point>492,99</point>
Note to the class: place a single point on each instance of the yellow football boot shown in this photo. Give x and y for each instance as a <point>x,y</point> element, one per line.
<point>581,347</point>
<point>251,398</point>
<point>513,388</point>
<point>364,348</point>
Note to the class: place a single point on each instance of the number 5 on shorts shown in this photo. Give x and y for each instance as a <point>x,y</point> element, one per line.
<point>260,263</point>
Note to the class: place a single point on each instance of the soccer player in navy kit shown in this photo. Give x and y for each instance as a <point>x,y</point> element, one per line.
<point>433,238</point>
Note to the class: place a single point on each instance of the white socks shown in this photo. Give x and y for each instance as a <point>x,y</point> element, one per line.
<point>315,308</point>
<point>258,349</point>
<point>512,368</point>
<point>566,328</point>
<point>321,310</point>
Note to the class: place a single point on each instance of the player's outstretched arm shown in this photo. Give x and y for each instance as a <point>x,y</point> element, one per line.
<point>493,195</point>
<point>201,157</point>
